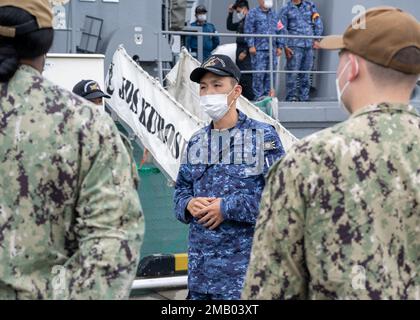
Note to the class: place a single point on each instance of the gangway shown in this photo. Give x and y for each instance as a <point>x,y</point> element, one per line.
<point>138,101</point>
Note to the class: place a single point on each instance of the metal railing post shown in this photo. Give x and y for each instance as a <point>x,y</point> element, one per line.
<point>167,9</point>
<point>200,41</point>
<point>196,32</point>
<point>160,67</point>
<point>73,27</point>
<point>271,63</point>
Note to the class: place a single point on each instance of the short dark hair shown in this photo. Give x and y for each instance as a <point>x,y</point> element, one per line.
<point>387,76</point>
<point>26,46</point>
<point>200,9</point>
<point>242,4</point>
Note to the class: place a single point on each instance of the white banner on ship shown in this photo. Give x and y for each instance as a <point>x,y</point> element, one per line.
<point>161,124</point>
<point>186,92</point>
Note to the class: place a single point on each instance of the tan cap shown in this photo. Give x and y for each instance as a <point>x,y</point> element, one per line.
<point>40,9</point>
<point>388,31</point>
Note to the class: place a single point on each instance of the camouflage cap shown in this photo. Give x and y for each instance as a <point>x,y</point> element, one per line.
<point>388,31</point>
<point>40,9</point>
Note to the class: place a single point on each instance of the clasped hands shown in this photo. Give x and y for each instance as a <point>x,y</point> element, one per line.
<point>207,211</point>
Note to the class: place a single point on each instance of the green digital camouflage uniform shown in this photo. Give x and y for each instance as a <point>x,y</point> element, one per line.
<point>340,216</point>
<point>71,223</point>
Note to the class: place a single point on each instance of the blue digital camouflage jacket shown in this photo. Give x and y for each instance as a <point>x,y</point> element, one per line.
<point>303,21</point>
<point>262,22</point>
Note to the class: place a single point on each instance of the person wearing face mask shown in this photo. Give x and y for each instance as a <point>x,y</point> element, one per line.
<point>71,223</point>
<point>243,57</point>
<point>218,191</point>
<point>300,17</point>
<point>209,42</point>
<point>263,20</point>
<point>340,214</point>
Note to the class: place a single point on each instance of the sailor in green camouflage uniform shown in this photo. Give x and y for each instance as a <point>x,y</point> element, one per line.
<point>340,216</point>
<point>71,223</point>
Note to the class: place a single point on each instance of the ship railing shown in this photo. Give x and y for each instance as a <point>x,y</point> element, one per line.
<point>271,39</point>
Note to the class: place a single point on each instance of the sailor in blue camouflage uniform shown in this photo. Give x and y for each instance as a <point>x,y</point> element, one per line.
<point>263,20</point>
<point>220,199</point>
<point>300,17</point>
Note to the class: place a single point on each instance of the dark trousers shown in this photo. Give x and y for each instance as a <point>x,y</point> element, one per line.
<point>246,79</point>
<point>262,81</point>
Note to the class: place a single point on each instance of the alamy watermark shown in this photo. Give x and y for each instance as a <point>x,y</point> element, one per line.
<point>229,147</point>
<point>359,21</point>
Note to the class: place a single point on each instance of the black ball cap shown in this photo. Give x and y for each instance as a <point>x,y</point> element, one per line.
<point>219,65</point>
<point>89,89</point>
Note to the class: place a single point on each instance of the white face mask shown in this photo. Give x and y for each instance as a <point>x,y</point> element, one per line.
<point>202,17</point>
<point>240,15</point>
<point>268,4</point>
<point>340,92</point>
<point>216,105</point>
